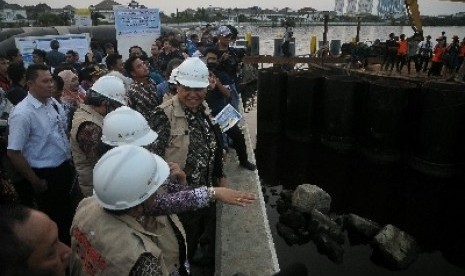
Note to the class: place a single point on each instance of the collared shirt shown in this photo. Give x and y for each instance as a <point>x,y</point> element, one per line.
<point>38,131</point>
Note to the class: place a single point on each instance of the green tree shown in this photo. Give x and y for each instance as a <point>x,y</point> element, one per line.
<point>50,19</point>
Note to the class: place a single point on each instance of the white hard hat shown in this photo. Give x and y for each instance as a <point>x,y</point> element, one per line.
<point>111,87</point>
<point>124,126</point>
<point>126,176</point>
<point>193,73</point>
<point>174,74</point>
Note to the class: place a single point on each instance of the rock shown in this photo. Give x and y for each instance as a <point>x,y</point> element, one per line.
<point>329,247</point>
<point>293,219</point>
<point>287,234</point>
<point>282,206</point>
<point>339,219</point>
<point>398,248</point>
<point>363,226</point>
<point>304,235</point>
<point>320,223</point>
<point>286,195</point>
<point>307,197</point>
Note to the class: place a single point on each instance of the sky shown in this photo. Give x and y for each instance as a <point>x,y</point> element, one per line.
<point>427,7</point>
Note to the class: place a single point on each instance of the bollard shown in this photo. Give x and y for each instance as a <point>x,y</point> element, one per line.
<point>312,45</point>
<point>255,45</point>
<point>277,47</point>
<point>339,107</point>
<point>248,42</point>
<point>437,144</point>
<point>335,47</point>
<point>383,120</point>
<point>248,39</point>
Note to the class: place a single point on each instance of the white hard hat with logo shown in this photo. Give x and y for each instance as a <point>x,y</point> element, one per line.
<point>111,87</point>
<point>193,73</point>
<point>126,176</point>
<point>124,126</point>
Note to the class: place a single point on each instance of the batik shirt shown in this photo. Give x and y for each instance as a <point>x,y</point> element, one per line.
<point>143,98</point>
<point>203,163</point>
<point>176,198</point>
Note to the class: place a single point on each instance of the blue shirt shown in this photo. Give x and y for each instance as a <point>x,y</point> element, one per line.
<point>38,131</point>
<point>162,89</point>
<point>191,47</point>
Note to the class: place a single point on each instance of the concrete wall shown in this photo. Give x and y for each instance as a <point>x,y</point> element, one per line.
<point>243,237</point>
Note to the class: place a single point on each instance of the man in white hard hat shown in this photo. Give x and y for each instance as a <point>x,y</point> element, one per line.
<point>187,137</point>
<point>105,95</point>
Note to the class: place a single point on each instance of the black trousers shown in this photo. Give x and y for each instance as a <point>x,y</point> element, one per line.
<point>235,133</point>
<point>59,201</point>
<point>200,228</point>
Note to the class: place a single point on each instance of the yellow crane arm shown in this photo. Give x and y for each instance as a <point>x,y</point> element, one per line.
<point>414,15</point>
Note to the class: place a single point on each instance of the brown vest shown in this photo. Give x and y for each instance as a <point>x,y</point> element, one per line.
<point>105,244</point>
<point>179,143</point>
<point>84,165</point>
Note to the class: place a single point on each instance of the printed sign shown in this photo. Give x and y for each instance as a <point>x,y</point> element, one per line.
<point>137,22</point>
<point>76,42</point>
<point>227,118</point>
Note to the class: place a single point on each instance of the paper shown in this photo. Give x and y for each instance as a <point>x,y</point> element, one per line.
<point>227,118</point>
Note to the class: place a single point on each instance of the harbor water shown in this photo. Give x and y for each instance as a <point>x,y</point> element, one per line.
<point>343,33</point>
<point>428,207</point>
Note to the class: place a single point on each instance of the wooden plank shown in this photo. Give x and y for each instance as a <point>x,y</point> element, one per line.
<point>291,60</point>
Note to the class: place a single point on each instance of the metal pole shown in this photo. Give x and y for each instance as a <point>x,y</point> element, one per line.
<point>357,38</point>
<point>325,32</point>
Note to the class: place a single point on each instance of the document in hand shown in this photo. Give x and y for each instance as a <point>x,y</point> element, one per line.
<point>227,118</point>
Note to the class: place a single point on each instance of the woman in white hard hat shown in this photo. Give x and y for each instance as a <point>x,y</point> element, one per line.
<point>111,234</point>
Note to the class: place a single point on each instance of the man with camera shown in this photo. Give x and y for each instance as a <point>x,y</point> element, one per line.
<point>229,60</point>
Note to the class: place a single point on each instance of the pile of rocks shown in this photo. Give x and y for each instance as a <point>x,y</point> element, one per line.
<point>305,216</point>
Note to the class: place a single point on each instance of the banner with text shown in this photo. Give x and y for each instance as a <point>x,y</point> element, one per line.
<point>137,22</point>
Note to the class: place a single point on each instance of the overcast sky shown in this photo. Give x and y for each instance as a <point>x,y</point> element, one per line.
<point>427,7</point>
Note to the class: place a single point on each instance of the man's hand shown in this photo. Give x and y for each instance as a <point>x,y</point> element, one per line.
<point>176,174</point>
<point>234,197</point>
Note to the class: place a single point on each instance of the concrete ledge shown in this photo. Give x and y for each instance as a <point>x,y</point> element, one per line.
<point>243,238</point>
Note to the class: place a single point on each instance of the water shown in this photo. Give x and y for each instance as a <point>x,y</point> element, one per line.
<point>430,209</point>
<point>343,33</point>
<point>427,208</point>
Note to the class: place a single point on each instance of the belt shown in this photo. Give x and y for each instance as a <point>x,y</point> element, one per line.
<point>65,163</point>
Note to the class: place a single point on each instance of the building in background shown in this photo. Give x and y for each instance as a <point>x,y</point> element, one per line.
<point>339,7</point>
<point>351,7</point>
<point>391,8</point>
<point>365,6</point>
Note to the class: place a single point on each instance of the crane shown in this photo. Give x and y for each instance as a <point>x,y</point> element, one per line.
<point>413,12</point>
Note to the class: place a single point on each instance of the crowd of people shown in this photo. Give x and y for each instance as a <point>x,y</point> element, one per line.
<point>445,59</point>
<point>112,167</point>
